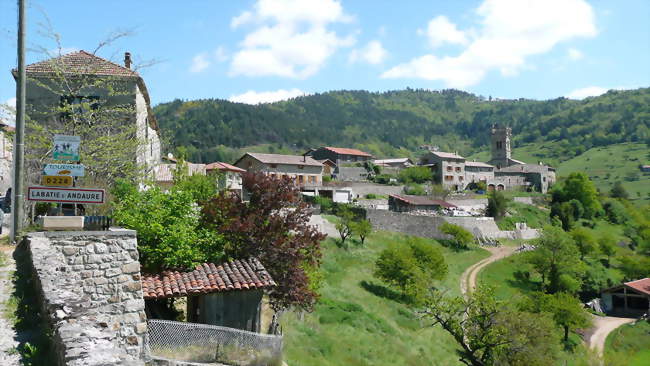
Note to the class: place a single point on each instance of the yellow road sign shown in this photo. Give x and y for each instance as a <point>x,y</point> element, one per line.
<point>56,181</point>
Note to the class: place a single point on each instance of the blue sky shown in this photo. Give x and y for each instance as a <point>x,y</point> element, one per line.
<point>265,50</point>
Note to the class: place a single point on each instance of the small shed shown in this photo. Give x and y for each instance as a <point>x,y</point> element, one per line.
<point>408,203</point>
<point>227,294</point>
<point>629,298</point>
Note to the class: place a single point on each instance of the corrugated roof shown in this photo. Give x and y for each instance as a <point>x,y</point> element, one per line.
<point>165,172</point>
<point>218,165</point>
<point>236,275</point>
<point>422,201</point>
<point>347,151</point>
<point>284,159</point>
<point>478,164</point>
<point>446,155</point>
<point>392,161</point>
<point>80,62</point>
<point>642,285</point>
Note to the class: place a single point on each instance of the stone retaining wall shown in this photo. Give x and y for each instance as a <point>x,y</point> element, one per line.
<point>91,294</point>
<point>428,226</point>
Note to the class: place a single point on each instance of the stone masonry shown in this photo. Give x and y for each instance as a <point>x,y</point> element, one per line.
<point>91,295</point>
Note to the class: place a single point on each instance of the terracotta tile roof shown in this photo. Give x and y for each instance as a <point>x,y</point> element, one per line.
<point>207,278</point>
<point>422,201</point>
<point>642,285</point>
<point>283,159</point>
<point>80,62</point>
<point>165,172</point>
<point>218,165</point>
<point>346,151</point>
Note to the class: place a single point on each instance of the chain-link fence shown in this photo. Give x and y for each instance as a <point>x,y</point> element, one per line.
<point>192,342</point>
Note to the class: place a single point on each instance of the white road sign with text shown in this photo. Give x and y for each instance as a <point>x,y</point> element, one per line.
<point>65,195</point>
<point>72,170</point>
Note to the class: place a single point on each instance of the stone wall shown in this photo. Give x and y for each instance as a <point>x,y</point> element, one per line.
<point>351,174</point>
<point>428,226</point>
<point>91,295</point>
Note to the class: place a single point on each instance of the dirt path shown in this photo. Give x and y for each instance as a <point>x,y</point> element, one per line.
<point>602,326</point>
<point>8,354</point>
<point>468,278</point>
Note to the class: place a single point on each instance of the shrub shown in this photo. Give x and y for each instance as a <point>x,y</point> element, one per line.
<point>415,189</point>
<point>416,174</point>
<point>371,196</point>
<point>461,238</point>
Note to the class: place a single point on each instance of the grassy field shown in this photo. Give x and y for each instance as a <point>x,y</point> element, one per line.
<point>629,345</point>
<point>357,322</point>
<point>520,212</point>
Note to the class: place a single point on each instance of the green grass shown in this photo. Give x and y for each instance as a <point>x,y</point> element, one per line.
<point>500,275</point>
<point>629,345</point>
<point>533,216</point>
<point>357,323</point>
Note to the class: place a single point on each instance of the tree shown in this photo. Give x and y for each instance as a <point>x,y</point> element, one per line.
<point>345,225</point>
<point>411,267</point>
<point>578,186</point>
<point>607,244</point>
<point>363,228</point>
<point>564,212</point>
<point>202,187</point>
<point>557,259</point>
<point>489,332</point>
<point>415,174</point>
<point>460,238</point>
<point>585,241</point>
<point>168,227</point>
<point>618,191</point>
<point>567,311</point>
<point>274,227</point>
<point>497,205</point>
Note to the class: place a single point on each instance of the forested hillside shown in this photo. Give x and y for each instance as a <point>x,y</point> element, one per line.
<point>398,122</point>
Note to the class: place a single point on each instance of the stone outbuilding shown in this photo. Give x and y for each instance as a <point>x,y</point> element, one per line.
<point>408,203</point>
<point>227,294</point>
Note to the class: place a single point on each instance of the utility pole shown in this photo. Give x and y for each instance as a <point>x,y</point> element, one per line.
<point>19,151</point>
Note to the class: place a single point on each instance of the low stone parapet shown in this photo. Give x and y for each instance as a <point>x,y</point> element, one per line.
<point>91,295</point>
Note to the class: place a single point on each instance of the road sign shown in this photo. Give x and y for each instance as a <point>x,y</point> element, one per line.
<point>66,147</point>
<point>73,170</point>
<point>56,181</point>
<point>65,195</point>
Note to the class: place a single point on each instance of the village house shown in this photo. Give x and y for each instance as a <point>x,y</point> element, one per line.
<point>163,174</point>
<point>328,166</point>
<point>629,298</point>
<point>228,294</point>
<point>476,172</point>
<point>93,85</point>
<point>448,168</point>
<point>229,176</point>
<point>302,169</point>
<point>406,203</point>
<point>339,155</point>
<point>398,163</point>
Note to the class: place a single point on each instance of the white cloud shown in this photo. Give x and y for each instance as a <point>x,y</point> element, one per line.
<point>291,38</point>
<point>200,62</point>
<point>253,97</point>
<point>574,54</point>
<point>373,53</point>
<point>220,54</point>
<point>593,91</point>
<point>510,31</point>
<point>440,31</point>
<point>8,112</point>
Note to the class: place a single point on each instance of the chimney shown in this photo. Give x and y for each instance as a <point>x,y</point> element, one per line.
<point>127,60</point>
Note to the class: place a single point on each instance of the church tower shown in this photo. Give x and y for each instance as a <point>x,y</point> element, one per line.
<point>500,146</point>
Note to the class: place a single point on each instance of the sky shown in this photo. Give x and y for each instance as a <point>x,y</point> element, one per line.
<point>254,51</point>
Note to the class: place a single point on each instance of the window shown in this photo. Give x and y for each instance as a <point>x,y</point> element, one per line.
<point>301,167</point>
<point>301,179</point>
<point>457,169</point>
<point>461,178</point>
<point>450,168</point>
<point>449,177</point>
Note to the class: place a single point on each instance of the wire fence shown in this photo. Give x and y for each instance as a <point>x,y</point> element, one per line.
<point>192,342</point>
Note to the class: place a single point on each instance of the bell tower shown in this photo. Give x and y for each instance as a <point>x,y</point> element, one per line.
<point>500,146</point>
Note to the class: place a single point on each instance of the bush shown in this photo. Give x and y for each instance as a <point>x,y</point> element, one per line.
<point>461,238</point>
<point>371,196</point>
<point>383,178</point>
<point>615,211</point>
<point>416,174</point>
<point>327,178</point>
<point>415,189</point>
<point>411,269</point>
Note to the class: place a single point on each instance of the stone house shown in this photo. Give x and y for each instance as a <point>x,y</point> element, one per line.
<point>229,177</point>
<point>304,170</point>
<point>228,294</point>
<point>339,155</point>
<point>475,172</point>
<point>6,158</point>
<point>82,85</point>
<point>537,177</point>
<point>448,168</point>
